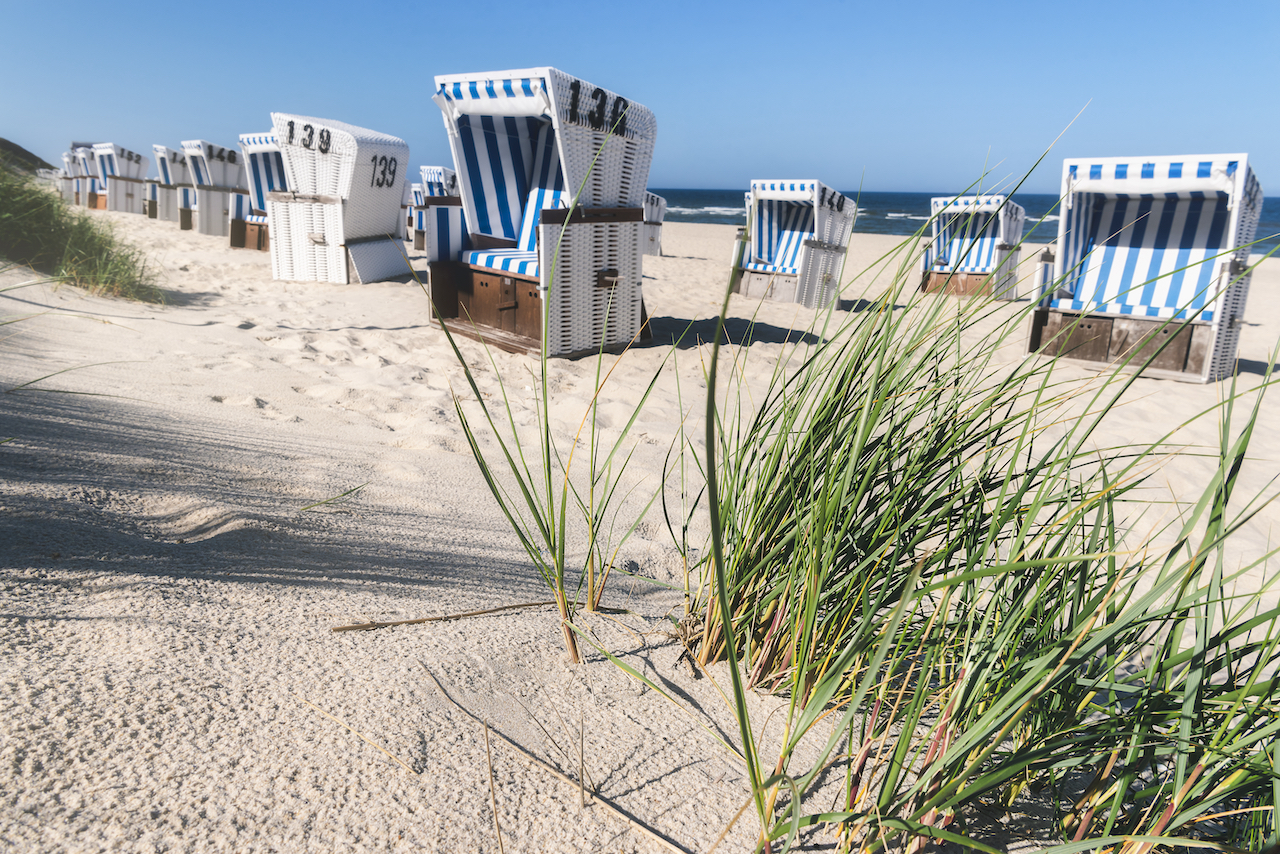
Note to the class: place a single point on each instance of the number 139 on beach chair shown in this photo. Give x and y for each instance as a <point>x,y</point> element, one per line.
<point>340,218</point>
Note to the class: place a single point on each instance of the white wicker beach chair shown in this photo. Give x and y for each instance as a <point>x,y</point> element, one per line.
<point>655,210</point>
<point>264,167</point>
<point>122,172</point>
<point>218,173</point>
<point>1152,253</point>
<point>91,195</point>
<point>794,245</point>
<point>170,196</point>
<point>512,264</point>
<point>439,187</point>
<point>70,184</point>
<point>338,221</point>
<point>975,247</point>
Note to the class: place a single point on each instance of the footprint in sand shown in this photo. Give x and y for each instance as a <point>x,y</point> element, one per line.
<point>251,402</point>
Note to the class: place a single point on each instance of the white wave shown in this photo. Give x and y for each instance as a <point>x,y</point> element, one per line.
<point>713,211</point>
<point>904,216</point>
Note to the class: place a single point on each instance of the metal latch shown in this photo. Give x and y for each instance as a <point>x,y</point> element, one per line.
<point>607,278</point>
<point>317,240</point>
<point>827,247</point>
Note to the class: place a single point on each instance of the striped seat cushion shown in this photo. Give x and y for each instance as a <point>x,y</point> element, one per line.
<point>781,228</point>
<point>1150,255</point>
<point>524,258</point>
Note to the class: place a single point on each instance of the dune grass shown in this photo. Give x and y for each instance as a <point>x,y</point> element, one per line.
<point>39,229</point>
<point>930,555</point>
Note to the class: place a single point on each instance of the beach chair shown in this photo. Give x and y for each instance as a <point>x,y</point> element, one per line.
<point>975,246</point>
<point>338,220</point>
<point>70,184</point>
<point>170,196</point>
<point>91,195</point>
<point>512,262</point>
<point>794,245</point>
<point>218,173</point>
<point>1152,256</point>
<point>655,210</point>
<point>122,172</point>
<point>264,169</point>
<point>439,187</point>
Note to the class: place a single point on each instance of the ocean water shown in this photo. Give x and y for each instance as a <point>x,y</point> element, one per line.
<point>904,213</point>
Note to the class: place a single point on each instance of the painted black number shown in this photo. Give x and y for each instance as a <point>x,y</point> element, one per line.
<point>310,136</point>
<point>325,138</point>
<point>290,139</point>
<point>618,118</point>
<point>575,90</point>
<point>387,176</point>
<point>596,117</point>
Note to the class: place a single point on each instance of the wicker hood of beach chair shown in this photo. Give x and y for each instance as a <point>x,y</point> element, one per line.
<point>511,261</point>
<point>655,210</point>
<point>794,245</point>
<point>339,219</point>
<point>1152,256</point>
<point>122,172</point>
<point>170,196</point>
<point>975,246</point>
<point>248,225</point>
<point>91,195</point>
<point>218,173</point>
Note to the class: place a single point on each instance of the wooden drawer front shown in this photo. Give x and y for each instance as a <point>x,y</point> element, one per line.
<point>493,301</point>
<point>1078,337</point>
<point>528,310</point>
<point>1141,338</point>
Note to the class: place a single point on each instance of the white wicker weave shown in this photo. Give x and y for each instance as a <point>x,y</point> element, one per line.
<point>70,183</point>
<point>122,172</point>
<point>218,172</point>
<point>602,148</point>
<point>346,185</point>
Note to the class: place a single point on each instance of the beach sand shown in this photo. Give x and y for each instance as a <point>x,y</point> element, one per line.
<point>169,678</point>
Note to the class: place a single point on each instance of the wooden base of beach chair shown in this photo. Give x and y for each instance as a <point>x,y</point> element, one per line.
<point>97,201</point>
<point>499,309</point>
<point>249,235</point>
<point>957,284</point>
<point>153,209</point>
<point>773,286</point>
<point>186,219</point>
<point>1183,348</point>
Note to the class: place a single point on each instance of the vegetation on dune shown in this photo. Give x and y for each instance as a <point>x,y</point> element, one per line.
<point>39,229</point>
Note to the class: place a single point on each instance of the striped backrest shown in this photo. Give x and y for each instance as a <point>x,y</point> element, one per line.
<point>504,157</point>
<point>264,165</point>
<point>966,242</point>
<point>417,196</point>
<point>240,206</point>
<point>780,230</point>
<point>539,201</point>
<point>1149,255</point>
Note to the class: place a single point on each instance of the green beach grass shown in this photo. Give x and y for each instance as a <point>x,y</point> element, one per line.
<point>39,229</point>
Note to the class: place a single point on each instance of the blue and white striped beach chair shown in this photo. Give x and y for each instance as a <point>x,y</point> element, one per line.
<point>218,174</point>
<point>975,246</point>
<point>91,195</point>
<point>340,219</point>
<point>171,196</point>
<point>439,187</point>
<point>122,172</point>
<point>794,245</point>
<point>264,168</point>
<point>655,210</point>
<point>524,142</point>
<point>1152,252</point>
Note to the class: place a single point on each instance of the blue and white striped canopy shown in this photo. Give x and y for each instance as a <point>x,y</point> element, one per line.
<point>265,167</point>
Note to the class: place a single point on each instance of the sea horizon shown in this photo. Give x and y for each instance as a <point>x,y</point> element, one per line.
<point>901,213</point>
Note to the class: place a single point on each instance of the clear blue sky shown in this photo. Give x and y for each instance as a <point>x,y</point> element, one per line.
<point>911,96</point>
